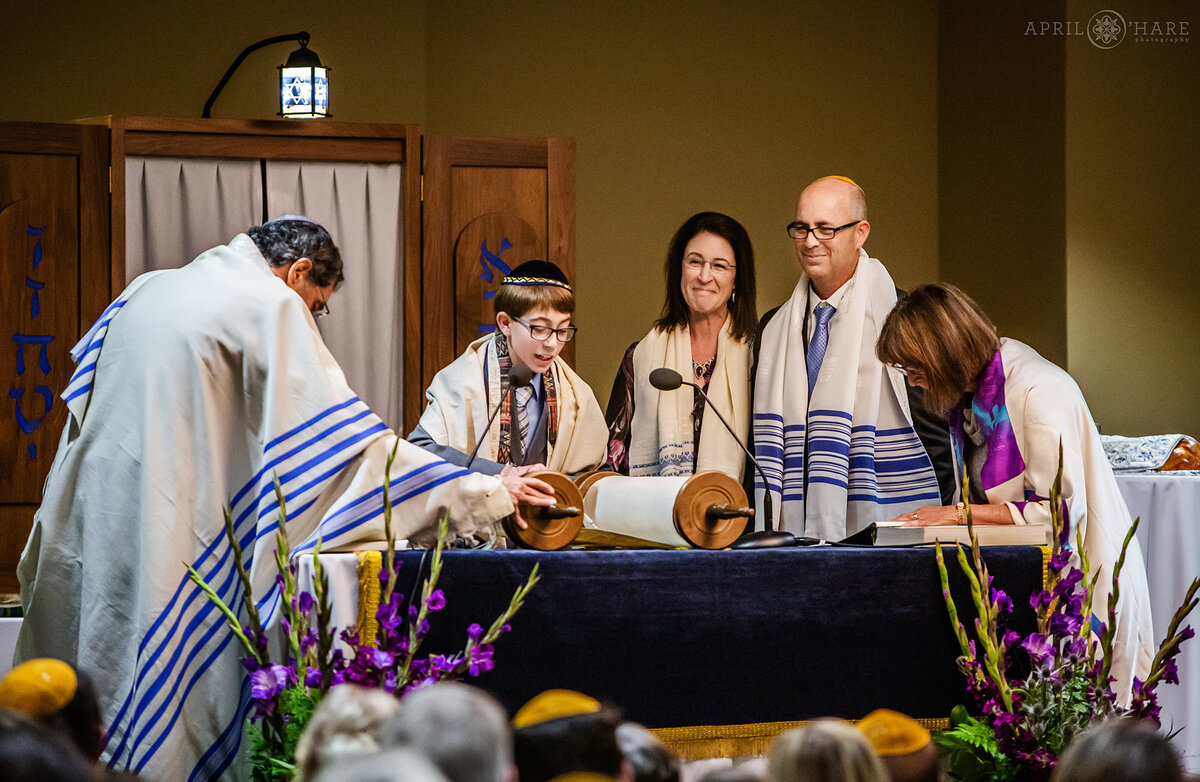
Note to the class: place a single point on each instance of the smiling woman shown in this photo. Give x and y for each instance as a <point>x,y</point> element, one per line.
<point>704,333</point>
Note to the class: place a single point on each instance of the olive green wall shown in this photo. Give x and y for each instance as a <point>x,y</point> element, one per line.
<point>1133,235</point>
<point>695,106</point>
<point>681,107</point>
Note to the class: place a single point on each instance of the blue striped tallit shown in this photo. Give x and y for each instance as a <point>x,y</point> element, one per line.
<point>196,389</point>
<point>851,456</point>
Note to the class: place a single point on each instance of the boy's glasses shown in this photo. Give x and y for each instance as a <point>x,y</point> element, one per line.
<point>542,333</point>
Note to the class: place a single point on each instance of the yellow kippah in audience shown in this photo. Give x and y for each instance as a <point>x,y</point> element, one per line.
<point>38,687</point>
<point>893,733</point>
<point>553,704</point>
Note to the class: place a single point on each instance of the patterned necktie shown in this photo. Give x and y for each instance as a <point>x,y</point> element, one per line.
<point>818,343</point>
<point>523,394</point>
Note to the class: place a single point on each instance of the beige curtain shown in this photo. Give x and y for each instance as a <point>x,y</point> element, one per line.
<point>176,208</point>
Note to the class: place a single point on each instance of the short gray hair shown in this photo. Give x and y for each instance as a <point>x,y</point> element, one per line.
<point>463,730</point>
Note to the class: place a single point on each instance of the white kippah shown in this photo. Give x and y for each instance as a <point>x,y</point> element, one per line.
<point>300,218</point>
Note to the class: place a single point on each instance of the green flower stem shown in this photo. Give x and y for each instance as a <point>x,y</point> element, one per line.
<point>985,624</point>
<point>260,641</point>
<point>234,624</point>
<point>323,609</point>
<point>435,572</point>
<point>282,555</point>
<point>1173,638</point>
<point>956,625</point>
<point>514,605</point>
<point>390,552</point>
<point>1110,632</point>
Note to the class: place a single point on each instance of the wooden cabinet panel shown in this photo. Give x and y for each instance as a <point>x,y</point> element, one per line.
<point>489,204</point>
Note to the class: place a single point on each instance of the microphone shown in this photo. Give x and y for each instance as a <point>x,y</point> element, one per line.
<point>665,379</point>
<point>519,376</point>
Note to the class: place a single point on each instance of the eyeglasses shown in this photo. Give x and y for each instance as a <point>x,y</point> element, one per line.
<point>824,233</point>
<point>320,310</point>
<point>907,370</point>
<point>542,333</point>
<point>718,267</point>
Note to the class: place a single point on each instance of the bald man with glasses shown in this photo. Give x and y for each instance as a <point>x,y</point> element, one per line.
<point>841,439</point>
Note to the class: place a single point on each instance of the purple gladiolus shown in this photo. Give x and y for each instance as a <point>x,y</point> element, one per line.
<point>1038,646</point>
<point>1060,560</point>
<point>287,626</point>
<point>1001,601</point>
<point>1040,600</point>
<point>436,600</point>
<point>1061,624</point>
<point>1170,671</point>
<point>306,603</point>
<point>312,677</point>
<point>475,631</point>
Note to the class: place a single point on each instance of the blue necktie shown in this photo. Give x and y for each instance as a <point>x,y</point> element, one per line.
<point>818,343</point>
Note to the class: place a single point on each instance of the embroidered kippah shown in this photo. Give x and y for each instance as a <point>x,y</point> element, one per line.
<point>38,687</point>
<point>537,273</point>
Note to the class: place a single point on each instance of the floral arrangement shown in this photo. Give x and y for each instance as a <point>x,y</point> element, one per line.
<point>1025,725</point>
<point>286,694</point>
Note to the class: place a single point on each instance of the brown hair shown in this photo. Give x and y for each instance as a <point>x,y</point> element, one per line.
<point>744,316</point>
<point>941,331</point>
<point>516,300</point>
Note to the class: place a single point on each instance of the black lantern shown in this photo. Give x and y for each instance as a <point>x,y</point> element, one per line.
<point>303,81</point>
<point>303,85</point>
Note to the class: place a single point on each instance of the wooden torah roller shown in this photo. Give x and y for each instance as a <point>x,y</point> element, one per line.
<point>706,510</point>
<point>549,528</point>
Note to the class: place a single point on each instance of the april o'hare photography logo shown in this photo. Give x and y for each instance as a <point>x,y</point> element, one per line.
<point>1106,29</point>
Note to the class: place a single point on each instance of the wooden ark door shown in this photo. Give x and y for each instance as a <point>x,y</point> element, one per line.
<point>54,282</point>
<point>489,205</point>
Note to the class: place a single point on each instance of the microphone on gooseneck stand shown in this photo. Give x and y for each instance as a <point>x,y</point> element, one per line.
<point>519,376</point>
<point>665,379</point>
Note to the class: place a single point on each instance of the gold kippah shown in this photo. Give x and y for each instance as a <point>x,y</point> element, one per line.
<point>38,687</point>
<point>843,179</point>
<point>891,733</point>
<point>552,704</point>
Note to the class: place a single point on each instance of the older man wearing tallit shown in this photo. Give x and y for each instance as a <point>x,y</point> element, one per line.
<point>833,427</point>
<point>196,389</point>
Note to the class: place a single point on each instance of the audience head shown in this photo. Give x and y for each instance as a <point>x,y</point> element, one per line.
<point>346,723</point>
<point>832,202</point>
<point>562,732</point>
<point>825,750</point>
<point>401,764</point>
<point>1120,750</point>
<point>743,772</point>
<point>463,730</point>
<point>942,339</point>
<point>651,760</point>
<point>533,311</point>
<point>33,752</point>
<point>303,255</point>
<point>903,745</point>
<point>60,697</point>
<point>710,268</point>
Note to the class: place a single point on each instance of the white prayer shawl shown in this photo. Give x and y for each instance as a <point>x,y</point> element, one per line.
<point>459,405</point>
<point>864,460</point>
<point>196,388</point>
<point>660,440</point>
<point>1045,406</point>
